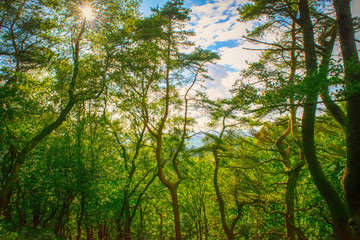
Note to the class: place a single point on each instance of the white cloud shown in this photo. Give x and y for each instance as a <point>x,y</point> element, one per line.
<point>355,8</point>
<point>237,57</point>
<point>216,88</point>
<point>229,81</point>
<point>217,21</point>
<point>215,24</point>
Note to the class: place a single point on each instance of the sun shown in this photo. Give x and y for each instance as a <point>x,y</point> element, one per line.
<point>87,12</point>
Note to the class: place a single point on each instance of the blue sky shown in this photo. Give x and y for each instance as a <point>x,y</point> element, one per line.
<point>216,27</point>
<point>146,4</point>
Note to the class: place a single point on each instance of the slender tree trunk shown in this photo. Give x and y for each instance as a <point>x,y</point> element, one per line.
<point>205,222</point>
<point>8,208</point>
<point>102,231</point>
<point>22,220</point>
<point>172,186</point>
<point>127,217</point>
<point>59,224</point>
<point>119,229</point>
<point>89,233</point>
<point>293,176</point>
<point>79,221</point>
<point>175,205</point>
<point>51,216</point>
<point>142,222</point>
<point>200,229</point>
<point>119,223</point>
<point>46,130</point>
<point>229,233</point>
<point>36,217</point>
<point>161,237</point>
<point>20,159</point>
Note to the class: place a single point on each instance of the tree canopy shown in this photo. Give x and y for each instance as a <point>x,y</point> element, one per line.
<point>99,139</point>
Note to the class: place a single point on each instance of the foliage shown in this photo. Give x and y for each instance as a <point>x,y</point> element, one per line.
<point>97,127</point>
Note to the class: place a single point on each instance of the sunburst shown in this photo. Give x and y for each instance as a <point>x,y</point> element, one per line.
<point>87,12</point>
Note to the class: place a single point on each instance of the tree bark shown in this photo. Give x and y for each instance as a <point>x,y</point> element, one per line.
<point>59,224</point>
<point>351,178</point>
<point>79,221</point>
<point>102,231</point>
<point>127,217</point>
<point>89,233</point>
<point>51,216</point>
<point>22,219</point>
<point>205,221</point>
<point>8,208</point>
<point>293,176</point>
<point>229,233</point>
<point>175,205</point>
<point>36,215</point>
<point>335,203</point>
<point>47,130</point>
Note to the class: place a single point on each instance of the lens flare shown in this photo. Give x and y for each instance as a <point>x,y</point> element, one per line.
<point>87,12</point>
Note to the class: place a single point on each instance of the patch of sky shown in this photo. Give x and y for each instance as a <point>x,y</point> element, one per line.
<point>196,141</point>
<point>228,43</point>
<point>225,19</point>
<point>195,2</point>
<point>258,23</point>
<point>146,5</point>
<point>228,68</point>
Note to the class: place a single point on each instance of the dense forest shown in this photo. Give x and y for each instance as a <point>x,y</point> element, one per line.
<point>100,111</point>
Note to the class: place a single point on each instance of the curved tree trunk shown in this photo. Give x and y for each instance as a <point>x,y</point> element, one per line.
<point>46,130</point>
<point>351,179</point>
<point>228,231</point>
<point>335,203</point>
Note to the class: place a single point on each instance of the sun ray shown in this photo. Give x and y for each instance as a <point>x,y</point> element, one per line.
<point>87,12</point>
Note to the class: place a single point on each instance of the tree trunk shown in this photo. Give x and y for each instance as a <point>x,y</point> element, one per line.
<point>205,221</point>
<point>101,231</point>
<point>79,221</point>
<point>142,223</point>
<point>351,179</point>
<point>127,217</point>
<point>172,186</point>
<point>59,224</point>
<point>36,215</point>
<point>161,237</point>
<point>45,131</point>
<point>51,216</point>
<point>8,208</point>
<point>89,233</point>
<point>20,159</point>
<point>335,203</point>
<point>119,229</point>
<point>175,205</point>
<point>229,233</point>
<point>290,202</point>
<point>22,219</point>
